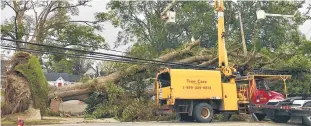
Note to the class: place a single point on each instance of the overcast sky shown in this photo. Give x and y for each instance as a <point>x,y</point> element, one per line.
<point>110,33</point>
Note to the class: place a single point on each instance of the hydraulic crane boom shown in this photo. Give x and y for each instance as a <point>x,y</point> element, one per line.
<point>222,52</point>
<point>207,90</point>
<point>223,64</point>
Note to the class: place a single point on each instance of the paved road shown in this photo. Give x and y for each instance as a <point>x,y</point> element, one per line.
<point>180,124</point>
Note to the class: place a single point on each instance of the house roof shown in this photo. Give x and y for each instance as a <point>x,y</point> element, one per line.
<point>65,76</point>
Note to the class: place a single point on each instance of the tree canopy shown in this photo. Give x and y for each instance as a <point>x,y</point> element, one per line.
<point>49,22</point>
<point>272,43</point>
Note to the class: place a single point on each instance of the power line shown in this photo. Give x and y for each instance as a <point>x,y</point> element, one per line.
<point>104,59</point>
<point>73,44</point>
<point>70,55</point>
<point>85,57</point>
<point>96,58</point>
<point>93,53</point>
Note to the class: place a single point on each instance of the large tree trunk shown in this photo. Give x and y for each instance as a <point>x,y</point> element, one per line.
<point>100,82</point>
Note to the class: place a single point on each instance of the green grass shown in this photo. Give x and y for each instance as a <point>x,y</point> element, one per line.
<point>31,122</point>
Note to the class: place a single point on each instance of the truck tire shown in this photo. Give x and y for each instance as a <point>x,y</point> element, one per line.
<point>185,117</point>
<point>260,117</point>
<point>203,112</point>
<point>306,120</point>
<point>280,119</point>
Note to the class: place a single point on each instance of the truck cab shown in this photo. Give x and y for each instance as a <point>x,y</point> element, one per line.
<point>264,94</point>
<point>254,90</point>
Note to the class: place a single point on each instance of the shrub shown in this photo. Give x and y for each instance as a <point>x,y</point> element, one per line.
<point>95,99</point>
<point>122,105</point>
<point>219,117</point>
<point>139,109</point>
<point>238,117</point>
<point>108,106</point>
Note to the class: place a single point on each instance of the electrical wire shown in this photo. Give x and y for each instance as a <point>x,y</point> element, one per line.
<point>74,55</point>
<point>73,44</point>
<point>70,55</point>
<point>103,59</point>
<point>93,53</point>
<point>94,57</point>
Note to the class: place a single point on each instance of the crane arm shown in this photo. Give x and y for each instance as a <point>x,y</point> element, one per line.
<point>222,52</point>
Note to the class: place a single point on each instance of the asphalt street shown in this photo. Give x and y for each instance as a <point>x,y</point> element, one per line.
<point>179,124</point>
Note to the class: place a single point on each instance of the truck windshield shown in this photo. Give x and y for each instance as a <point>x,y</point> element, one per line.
<point>164,80</point>
<point>261,84</point>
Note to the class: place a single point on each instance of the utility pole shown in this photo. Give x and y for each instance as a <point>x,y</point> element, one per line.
<point>242,35</point>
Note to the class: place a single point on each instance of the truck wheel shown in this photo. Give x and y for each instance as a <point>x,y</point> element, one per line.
<point>185,117</point>
<point>260,117</point>
<point>280,119</point>
<point>306,120</point>
<point>203,112</point>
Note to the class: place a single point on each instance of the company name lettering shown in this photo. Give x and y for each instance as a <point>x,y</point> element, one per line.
<point>196,81</point>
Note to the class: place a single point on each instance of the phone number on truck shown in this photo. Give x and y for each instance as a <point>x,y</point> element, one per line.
<point>197,87</point>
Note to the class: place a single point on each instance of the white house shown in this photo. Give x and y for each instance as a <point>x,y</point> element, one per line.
<point>93,72</point>
<point>61,79</point>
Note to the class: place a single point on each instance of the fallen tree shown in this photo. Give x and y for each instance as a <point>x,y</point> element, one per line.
<point>100,82</point>
<point>23,75</point>
<point>26,88</point>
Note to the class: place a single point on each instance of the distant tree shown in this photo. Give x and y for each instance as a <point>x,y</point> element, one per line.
<point>51,23</point>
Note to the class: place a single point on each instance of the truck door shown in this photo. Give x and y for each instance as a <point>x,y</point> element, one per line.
<point>262,92</point>
<point>164,81</point>
<point>164,90</point>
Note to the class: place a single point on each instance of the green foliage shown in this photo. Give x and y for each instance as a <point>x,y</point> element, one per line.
<point>84,79</point>
<point>121,104</point>
<point>142,51</point>
<point>273,40</point>
<point>151,31</point>
<point>83,38</point>
<point>108,106</point>
<point>136,84</point>
<point>62,66</point>
<point>54,23</point>
<point>300,81</point>
<point>138,110</point>
<point>108,16</point>
<point>37,81</point>
<point>75,34</point>
<point>94,100</point>
<point>198,19</point>
<point>236,117</point>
